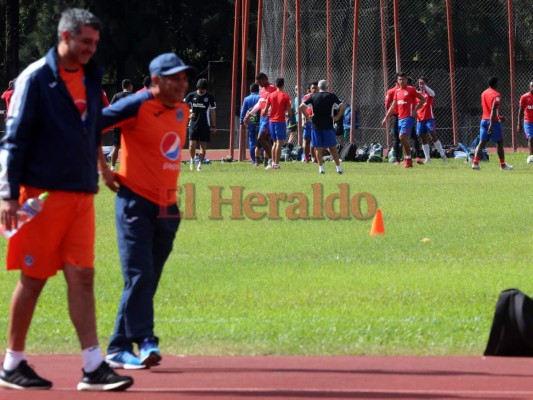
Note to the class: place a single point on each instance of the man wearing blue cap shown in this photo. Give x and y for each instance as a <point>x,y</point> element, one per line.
<point>154,126</point>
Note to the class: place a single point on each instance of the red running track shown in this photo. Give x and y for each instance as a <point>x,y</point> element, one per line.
<point>294,378</point>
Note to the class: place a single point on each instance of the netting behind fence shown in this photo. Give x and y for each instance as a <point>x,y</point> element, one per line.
<point>481,49</point>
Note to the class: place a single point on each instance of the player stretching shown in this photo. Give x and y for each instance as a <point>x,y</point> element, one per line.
<point>426,123</point>
<point>405,99</point>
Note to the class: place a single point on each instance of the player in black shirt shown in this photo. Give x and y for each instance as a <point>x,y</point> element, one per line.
<point>323,134</point>
<point>202,122</point>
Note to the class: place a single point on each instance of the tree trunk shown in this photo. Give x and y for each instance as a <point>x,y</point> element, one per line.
<point>12,39</point>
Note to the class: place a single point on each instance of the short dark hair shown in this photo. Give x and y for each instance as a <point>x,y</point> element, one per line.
<point>126,83</point>
<point>147,81</point>
<point>261,75</point>
<point>493,82</point>
<point>72,19</point>
<point>423,78</point>
<point>314,83</point>
<point>201,84</point>
<point>280,82</point>
<point>254,87</point>
<point>401,74</point>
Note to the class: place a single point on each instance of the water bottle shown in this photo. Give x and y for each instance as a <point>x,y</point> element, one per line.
<point>26,212</point>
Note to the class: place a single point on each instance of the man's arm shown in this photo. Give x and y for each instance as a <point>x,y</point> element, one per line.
<point>429,91</point>
<point>389,112</point>
<point>493,113</point>
<point>244,109</point>
<point>213,119</point>
<point>303,109</point>
<point>340,114</point>
<point>288,110</point>
<point>108,177</point>
<point>422,101</point>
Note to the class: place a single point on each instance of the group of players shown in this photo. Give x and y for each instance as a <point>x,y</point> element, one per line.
<point>409,115</point>
<point>264,113</point>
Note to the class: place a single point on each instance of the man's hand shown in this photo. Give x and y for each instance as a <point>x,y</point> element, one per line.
<point>110,179</point>
<point>8,213</point>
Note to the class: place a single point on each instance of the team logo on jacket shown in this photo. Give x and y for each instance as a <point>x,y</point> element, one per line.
<point>28,260</point>
<point>171,146</point>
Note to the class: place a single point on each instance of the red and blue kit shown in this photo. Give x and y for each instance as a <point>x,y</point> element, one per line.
<point>279,102</point>
<point>488,98</point>
<point>426,111</point>
<point>526,103</point>
<point>406,100</point>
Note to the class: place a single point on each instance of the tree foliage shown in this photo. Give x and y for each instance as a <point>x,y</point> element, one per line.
<point>134,31</point>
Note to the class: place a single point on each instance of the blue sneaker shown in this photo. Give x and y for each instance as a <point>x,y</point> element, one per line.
<point>124,359</point>
<point>149,352</point>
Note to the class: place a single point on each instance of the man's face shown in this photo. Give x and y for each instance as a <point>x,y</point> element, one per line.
<point>262,82</point>
<point>82,46</point>
<point>313,89</point>
<point>421,83</point>
<point>174,87</point>
<point>402,81</point>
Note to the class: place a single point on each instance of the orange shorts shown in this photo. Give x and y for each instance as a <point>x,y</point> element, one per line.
<point>62,233</point>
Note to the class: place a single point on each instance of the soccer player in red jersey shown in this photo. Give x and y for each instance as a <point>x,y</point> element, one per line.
<point>278,107</point>
<point>405,98</point>
<point>525,114</point>
<point>154,129</point>
<point>393,123</point>
<point>425,126</point>
<point>263,137</point>
<point>491,125</point>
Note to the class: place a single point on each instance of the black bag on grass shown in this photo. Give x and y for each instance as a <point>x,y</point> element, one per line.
<point>375,154</point>
<point>362,153</point>
<point>348,152</point>
<point>512,328</point>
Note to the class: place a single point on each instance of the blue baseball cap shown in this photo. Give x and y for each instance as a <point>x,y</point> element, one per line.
<point>168,64</point>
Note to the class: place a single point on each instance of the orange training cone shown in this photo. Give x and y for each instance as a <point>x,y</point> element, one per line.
<point>377,224</point>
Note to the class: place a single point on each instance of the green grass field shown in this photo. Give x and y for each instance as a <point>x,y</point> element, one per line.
<point>324,286</point>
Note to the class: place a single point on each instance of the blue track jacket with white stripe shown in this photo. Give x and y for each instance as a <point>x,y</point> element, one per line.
<point>47,144</point>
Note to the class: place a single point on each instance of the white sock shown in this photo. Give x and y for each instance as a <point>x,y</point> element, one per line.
<point>425,147</point>
<point>438,145</point>
<point>13,359</point>
<point>339,168</point>
<point>92,358</point>
<point>321,168</point>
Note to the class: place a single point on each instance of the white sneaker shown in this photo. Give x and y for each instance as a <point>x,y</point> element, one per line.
<point>445,160</point>
<point>191,165</point>
<point>507,168</point>
<point>427,161</point>
<point>476,166</point>
<point>199,167</point>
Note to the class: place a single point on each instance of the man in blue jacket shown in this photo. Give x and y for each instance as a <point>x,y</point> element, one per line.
<point>253,122</point>
<point>55,111</point>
